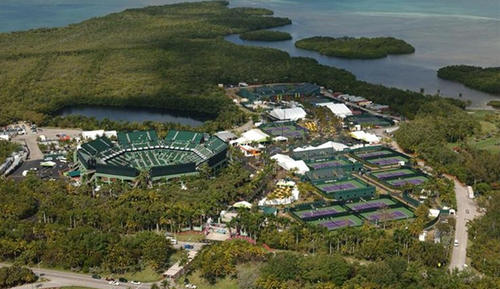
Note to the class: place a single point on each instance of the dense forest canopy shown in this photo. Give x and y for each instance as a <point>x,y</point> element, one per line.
<point>266,35</point>
<point>484,79</point>
<point>350,47</point>
<point>169,56</point>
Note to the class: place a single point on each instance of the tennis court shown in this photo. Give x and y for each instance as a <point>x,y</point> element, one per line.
<point>327,164</point>
<point>365,155</point>
<point>393,173</point>
<point>286,130</point>
<point>416,181</point>
<point>393,160</point>
<point>339,222</point>
<point>320,212</point>
<point>341,186</point>
<point>379,203</point>
<point>389,215</point>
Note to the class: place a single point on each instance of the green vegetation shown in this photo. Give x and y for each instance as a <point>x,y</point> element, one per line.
<point>15,276</point>
<point>323,269</point>
<point>146,275</point>
<point>169,56</point>
<point>484,79</point>
<point>6,149</point>
<point>494,104</point>
<point>266,35</point>
<point>115,230</point>
<point>486,235</point>
<point>165,56</point>
<point>361,48</point>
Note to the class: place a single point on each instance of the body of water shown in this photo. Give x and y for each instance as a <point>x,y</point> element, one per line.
<point>444,32</point>
<point>133,114</point>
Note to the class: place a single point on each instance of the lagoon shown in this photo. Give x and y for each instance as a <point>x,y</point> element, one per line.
<point>134,114</point>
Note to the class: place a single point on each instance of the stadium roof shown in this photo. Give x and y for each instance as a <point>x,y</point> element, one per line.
<point>338,109</point>
<point>295,113</point>
<point>181,136</point>
<point>97,146</point>
<point>137,137</point>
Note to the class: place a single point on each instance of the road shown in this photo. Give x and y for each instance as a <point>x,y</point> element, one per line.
<point>63,278</point>
<point>51,133</point>
<point>459,255</point>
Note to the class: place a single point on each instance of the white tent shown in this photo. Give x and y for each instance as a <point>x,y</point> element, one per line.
<point>336,146</point>
<point>48,164</point>
<point>93,134</point>
<point>287,163</point>
<point>293,114</point>
<point>338,109</point>
<point>364,136</point>
<point>242,204</point>
<point>253,135</point>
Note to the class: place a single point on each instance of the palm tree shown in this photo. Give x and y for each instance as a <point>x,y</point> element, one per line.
<point>165,284</point>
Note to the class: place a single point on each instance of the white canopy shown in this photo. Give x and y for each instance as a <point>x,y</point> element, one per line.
<point>93,134</point>
<point>338,109</point>
<point>242,204</point>
<point>330,144</point>
<point>287,163</point>
<point>364,136</point>
<point>253,135</point>
<point>293,114</point>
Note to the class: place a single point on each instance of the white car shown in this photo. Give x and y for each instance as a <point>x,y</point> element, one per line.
<point>172,240</point>
<point>135,282</point>
<point>455,243</point>
<point>191,286</point>
<point>114,283</point>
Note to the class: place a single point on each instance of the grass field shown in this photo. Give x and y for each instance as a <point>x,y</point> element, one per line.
<point>190,237</point>
<point>195,279</point>
<point>145,276</point>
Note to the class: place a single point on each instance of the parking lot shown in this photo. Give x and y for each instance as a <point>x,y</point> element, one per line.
<point>55,172</point>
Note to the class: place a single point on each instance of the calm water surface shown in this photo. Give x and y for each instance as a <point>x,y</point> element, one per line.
<point>132,114</point>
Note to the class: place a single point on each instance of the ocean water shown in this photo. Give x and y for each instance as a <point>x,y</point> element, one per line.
<point>444,32</point>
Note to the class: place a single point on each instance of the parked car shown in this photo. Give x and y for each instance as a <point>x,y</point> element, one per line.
<point>172,240</point>
<point>96,276</point>
<point>135,282</point>
<point>114,283</point>
<point>110,279</point>
<point>455,243</point>
<point>191,286</point>
<point>123,280</point>
<point>188,247</point>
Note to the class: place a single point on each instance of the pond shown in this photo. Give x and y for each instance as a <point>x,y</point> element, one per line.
<point>135,114</point>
